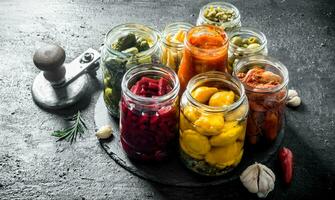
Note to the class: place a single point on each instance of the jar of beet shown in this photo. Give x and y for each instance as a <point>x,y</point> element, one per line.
<point>265,80</point>
<point>213,120</point>
<point>221,14</point>
<point>172,44</point>
<point>206,49</point>
<point>245,42</point>
<point>125,46</point>
<point>149,112</point>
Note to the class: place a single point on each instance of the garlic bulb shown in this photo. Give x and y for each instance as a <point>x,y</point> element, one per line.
<point>258,178</point>
<point>104,132</point>
<point>291,94</point>
<point>293,99</point>
<point>294,102</point>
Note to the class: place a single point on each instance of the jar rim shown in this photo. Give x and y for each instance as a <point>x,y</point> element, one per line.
<point>232,23</point>
<point>214,75</point>
<point>141,69</point>
<point>135,26</point>
<point>170,28</point>
<point>250,31</point>
<point>207,26</point>
<point>263,60</point>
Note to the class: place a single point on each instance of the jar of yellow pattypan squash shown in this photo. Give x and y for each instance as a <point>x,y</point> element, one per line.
<point>213,118</point>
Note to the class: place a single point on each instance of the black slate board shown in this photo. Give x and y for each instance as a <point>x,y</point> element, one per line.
<point>172,172</point>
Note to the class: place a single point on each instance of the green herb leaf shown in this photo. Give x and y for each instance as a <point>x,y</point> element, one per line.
<point>71,133</point>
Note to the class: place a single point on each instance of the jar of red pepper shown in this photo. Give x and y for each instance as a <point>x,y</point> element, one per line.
<point>265,80</point>
<point>149,112</point>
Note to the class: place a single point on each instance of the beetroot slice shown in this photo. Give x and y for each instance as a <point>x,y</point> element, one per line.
<point>148,131</point>
<point>146,80</point>
<point>148,87</point>
<point>162,83</point>
<point>135,89</point>
<point>153,86</point>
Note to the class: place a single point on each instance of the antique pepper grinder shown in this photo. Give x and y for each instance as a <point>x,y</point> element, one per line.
<point>60,85</point>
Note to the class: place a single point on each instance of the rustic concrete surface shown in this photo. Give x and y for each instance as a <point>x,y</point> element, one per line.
<point>34,166</point>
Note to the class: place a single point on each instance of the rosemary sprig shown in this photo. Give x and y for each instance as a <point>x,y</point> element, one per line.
<point>71,133</point>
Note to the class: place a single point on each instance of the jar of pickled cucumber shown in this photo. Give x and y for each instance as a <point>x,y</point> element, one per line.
<point>265,80</point>
<point>245,42</point>
<point>125,46</point>
<point>206,49</point>
<point>172,44</point>
<point>149,112</point>
<point>221,14</point>
<point>212,123</point>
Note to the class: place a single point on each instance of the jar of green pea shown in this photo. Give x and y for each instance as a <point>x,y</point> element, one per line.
<point>245,42</point>
<point>220,14</point>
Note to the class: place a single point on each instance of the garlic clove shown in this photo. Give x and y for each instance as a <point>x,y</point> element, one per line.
<point>104,132</point>
<point>294,102</point>
<point>269,172</point>
<point>265,182</point>
<point>291,94</point>
<point>249,178</point>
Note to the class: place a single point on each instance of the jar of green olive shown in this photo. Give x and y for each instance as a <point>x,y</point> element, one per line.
<point>172,44</point>
<point>245,42</point>
<point>125,46</point>
<point>221,14</point>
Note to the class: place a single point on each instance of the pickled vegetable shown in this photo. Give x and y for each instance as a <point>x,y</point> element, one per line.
<point>209,124</point>
<point>172,49</point>
<point>222,157</point>
<point>219,14</point>
<point>202,94</point>
<point>129,46</point>
<point>266,109</point>
<point>206,50</point>
<point>245,42</point>
<point>209,143</point>
<point>194,144</point>
<point>222,98</point>
<point>149,133</point>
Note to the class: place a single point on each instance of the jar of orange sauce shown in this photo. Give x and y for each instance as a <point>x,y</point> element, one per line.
<point>206,49</point>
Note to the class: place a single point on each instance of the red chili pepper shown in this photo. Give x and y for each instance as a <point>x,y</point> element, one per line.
<point>286,162</point>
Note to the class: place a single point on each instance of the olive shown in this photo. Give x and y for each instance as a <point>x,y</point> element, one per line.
<point>253,46</point>
<point>252,40</point>
<point>237,40</point>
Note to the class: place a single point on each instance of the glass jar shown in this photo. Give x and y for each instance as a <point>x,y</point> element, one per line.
<point>121,51</point>
<point>149,124</point>
<point>265,80</point>
<point>254,41</point>
<point>172,44</point>
<point>212,138</point>
<point>230,22</point>
<point>206,49</point>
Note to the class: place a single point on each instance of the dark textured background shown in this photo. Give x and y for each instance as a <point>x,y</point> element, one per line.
<point>34,166</point>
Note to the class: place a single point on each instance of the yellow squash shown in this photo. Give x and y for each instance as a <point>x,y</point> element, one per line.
<point>194,144</point>
<point>210,124</point>
<point>184,124</point>
<point>203,93</point>
<point>226,156</point>
<point>222,98</point>
<point>227,137</point>
<point>191,113</point>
